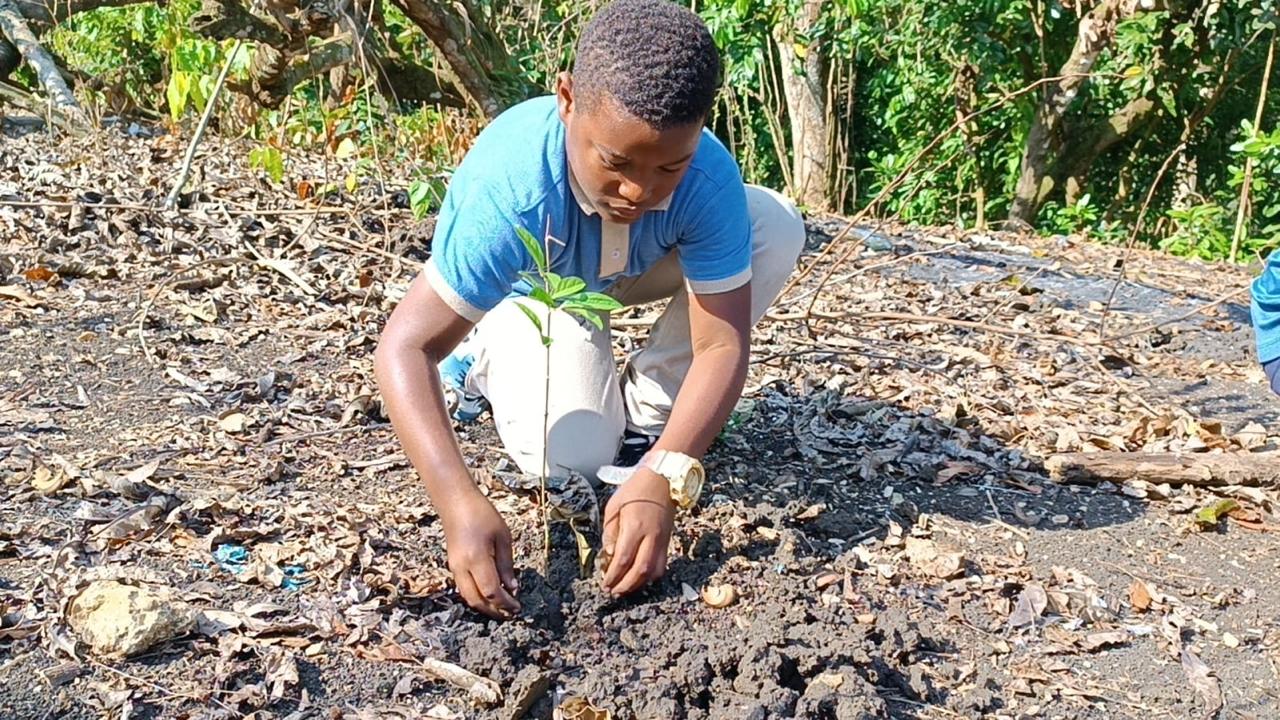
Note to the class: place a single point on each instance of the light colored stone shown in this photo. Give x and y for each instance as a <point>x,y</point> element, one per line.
<point>118,620</point>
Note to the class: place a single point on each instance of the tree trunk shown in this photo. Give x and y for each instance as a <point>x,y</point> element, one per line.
<point>804,82</point>
<point>14,27</point>
<point>479,62</point>
<point>1044,140</point>
<point>9,59</point>
<point>397,77</point>
<point>1122,125</point>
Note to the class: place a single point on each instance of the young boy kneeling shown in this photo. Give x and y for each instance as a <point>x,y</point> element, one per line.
<point>643,204</point>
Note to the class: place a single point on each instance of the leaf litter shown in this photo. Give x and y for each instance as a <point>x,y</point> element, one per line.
<point>191,411</point>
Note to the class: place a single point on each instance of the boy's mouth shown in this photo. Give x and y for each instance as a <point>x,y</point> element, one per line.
<point>625,212</point>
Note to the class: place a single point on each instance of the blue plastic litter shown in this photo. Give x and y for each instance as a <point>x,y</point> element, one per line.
<point>295,578</point>
<point>232,557</point>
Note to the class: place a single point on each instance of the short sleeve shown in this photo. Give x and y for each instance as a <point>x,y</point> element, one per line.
<point>1265,309</point>
<point>476,255</point>
<point>715,249</point>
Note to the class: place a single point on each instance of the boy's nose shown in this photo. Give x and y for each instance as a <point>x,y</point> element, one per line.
<point>633,192</point>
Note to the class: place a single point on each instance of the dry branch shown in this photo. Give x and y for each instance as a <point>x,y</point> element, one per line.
<point>1256,469</point>
<point>13,26</point>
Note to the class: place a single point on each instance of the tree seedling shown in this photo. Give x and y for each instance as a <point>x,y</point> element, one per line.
<point>570,294</point>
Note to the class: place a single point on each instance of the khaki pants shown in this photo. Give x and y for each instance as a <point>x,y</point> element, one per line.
<point>590,407</point>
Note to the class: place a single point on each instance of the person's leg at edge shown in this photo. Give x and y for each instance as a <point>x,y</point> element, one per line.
<point>653,376</point>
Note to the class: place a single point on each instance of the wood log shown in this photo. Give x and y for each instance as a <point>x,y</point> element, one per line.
<point>39,109</point>
<point>1241,468</point>
<point>14,27</point>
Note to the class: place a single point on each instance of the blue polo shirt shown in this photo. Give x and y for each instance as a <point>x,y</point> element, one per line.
<point>1265,308</point>
<point>516,174</point>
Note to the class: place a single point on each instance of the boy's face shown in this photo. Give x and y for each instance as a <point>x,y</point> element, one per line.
<point>623,165</point>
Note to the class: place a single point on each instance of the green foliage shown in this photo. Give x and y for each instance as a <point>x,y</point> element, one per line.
<point>1081,216</point>
<point>899,75</point>
<point>554,291</point>
<point>425,196</point>
<point>268,159</point>
<point>1201,231</point>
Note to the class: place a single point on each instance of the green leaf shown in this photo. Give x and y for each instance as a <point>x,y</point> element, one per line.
<point>424,196</point>
<point>591,316</point>
<point>269,160</point>
<point>534,249</point>
<point>176,94</point>
<point>346,148</point>
<point>1207,517</point>
<point>533,318</point>
<point>541,296</point>
<point>592,301</point>
<point>567,287</point>
<point>551,280</point>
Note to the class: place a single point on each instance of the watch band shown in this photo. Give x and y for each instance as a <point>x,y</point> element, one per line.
<point>685,475</point>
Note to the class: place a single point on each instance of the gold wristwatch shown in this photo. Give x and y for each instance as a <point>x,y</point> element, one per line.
<point>684,474</point>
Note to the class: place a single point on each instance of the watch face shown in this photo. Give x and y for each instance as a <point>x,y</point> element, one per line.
<point>693,482</point>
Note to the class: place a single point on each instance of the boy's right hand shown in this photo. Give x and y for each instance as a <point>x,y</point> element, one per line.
<point>479,546</point>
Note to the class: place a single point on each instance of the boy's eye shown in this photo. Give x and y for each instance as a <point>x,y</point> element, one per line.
<point>670,170</point>
<point>611,165</point>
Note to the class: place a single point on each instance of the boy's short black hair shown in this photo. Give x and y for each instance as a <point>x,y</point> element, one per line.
<point>653,57</point>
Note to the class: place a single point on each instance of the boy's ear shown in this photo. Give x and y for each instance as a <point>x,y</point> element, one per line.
<point>564,95</point>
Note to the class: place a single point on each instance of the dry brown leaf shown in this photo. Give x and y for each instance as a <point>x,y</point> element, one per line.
<point>1031,604</point>
<point>577,708</point>
<point>39,274</point>
<point>1096,641</point>
<point>956,468</point>
<point>1204,683</point>
<point>812,511</point>
<point>48,482</point>
<point>13,292</point>
<point>1139,595</point>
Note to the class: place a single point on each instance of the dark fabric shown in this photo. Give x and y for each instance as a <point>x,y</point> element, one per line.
<point>634,446</point>
<point>1272,368</point>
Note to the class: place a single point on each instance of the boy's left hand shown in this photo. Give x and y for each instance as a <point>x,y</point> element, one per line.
<point>637,529</point>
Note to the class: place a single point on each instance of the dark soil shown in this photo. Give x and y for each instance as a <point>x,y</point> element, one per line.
<point>864,438</point>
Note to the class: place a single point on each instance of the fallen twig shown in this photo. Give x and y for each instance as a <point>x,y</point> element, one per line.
<point>481,689</point>
<point>163,690</point>
<point>909,317</point>
<point>264,212</point>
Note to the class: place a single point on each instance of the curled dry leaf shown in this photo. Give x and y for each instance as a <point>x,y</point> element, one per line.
<point>233,422</point>
<point>719,596</point>
<point>48,482</point>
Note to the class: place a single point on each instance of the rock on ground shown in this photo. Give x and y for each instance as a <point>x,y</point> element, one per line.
<point>118,620</point>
